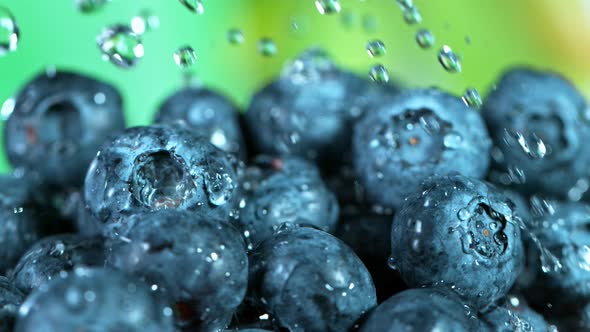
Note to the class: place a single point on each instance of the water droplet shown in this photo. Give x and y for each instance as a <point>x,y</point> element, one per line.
<point>391,263</point>
<point>144,21</point>
<point>120,45</point>
<point>18,209</point>
<point>329,287</point>
<point>452,140</point>
<point>412,15</point>
<point>549,263</point>
<point>195,6</point>
<point>327,7</point>
<point>9,32</point>
<point>541,207</point>
<point>185,56</point>
<point>516,174</point>
<point>530,144</point>
<point>424,38</point>
<point>267,47</point>
<point>463,214</point>
<point>375,48</point>
<point>58,249</point>
<point>405,4</point>
<point>235,36</point>
<point>449,60</point>
<point>90,6</point>
<point>7,108</point>
<point>219,187</point>
<point>472,98</point>
<point>378,73</point>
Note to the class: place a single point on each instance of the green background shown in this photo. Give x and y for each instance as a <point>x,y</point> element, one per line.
<point>502,33</point>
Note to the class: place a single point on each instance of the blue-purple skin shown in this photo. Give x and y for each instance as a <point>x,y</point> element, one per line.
<point>208,114</point>
<point>546,104</point>
<point>10,300</point>
<point>285,190</point>
<point>59,122</point>
<point>196,261</point>
<point>308,280</point>
<point>416,134</point>
<point>47,258</point>
<point>94,300</point>
<point>513,315</point>
<point>459,233</point>
<point>160,167</point>
<point>422,309</point>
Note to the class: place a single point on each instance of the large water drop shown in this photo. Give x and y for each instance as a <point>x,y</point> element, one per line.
<point>378,73</point>
<point>185,57</point>
<point>424,38</point>
<point>375,48</point>
<point>120,45</point>
<point>449,60</point>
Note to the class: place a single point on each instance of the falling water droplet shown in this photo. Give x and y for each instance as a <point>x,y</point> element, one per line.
<point>549,263</point>
<point>185,56</point>
<point>449,60</point>
<point>378,73</point>
<point>144,21</point>
<point>267,47</point>
<point>120,45</point>
<point>235,36</point>
<point>530,144</point>
<point>90,6</point>
<point>9,33</point>
<point>391,263</point>
<point>472,98</point>
<point>516,174</point>
<point>405,4</point>
<point>375,48</point>
<point>327,7</point>
<point>412,15</point>
<point>195,6</point>
<point>424,38</point>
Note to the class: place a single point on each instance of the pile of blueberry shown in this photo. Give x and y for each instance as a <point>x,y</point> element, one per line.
<point>332,204</point>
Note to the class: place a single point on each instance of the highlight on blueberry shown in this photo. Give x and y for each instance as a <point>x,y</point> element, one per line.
<point>514,315</point>
<point>416,134</point>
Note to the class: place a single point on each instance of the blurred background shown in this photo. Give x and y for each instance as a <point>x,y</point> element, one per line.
<point>489,36</point>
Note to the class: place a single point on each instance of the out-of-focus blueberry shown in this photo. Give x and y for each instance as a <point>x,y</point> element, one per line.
<point>198,261</point>
<point>59,122</point>
<point>307,280</point>
<point>459,233</point>
<point>160,167</point>
<point>208,114</point>
<point>540,124</point>
<point>421,309</point>
<point>51,256</point>
<point>417,134</point>
<point>10,300</point>
<point>280,190</point>
<point>94,300</point>
<point>514,315</point>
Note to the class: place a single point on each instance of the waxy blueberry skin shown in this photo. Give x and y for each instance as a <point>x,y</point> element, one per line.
<point>10,300</point>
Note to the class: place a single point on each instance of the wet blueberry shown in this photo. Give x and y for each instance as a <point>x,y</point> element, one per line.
<point>540,124</point>
<point>421,309</point>
<point>93,300</point>
<point>513,315</point>
<point>417,134</point>
<point>159,167</point>
<point>285,190</point>
<point>59,122</point>
<point>46,259</point>
<point>309,110</point>
<point>459,233</point>
<point>199,262</point>
<point>208,114</point>
<point>307,280</point>
<point>10,300</point>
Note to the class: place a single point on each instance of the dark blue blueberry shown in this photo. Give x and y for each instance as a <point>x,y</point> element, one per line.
<point>309,110</point>
<point>49,257</point>
<point>159,167</point>
<point>198,261</point>
<point>94,300</point>
<point>424,309</point>
<point>285,190</point>
<point>459,233</point>
<point>532,107</point>
<point>417,134</point>
<point>307,280</point>
<point>565,234</point>
<point>10,300</point>
<point>59,122</point>
<point>208,114</point>
<point>73,208</point>
<point>514,315</point>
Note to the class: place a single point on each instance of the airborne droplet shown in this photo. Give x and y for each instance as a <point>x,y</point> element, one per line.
<point>424,38</point>
<point>90,6</point>
<point>185,57</point>
<point>195,6</point>
<point>144,21</point>
<point>378,73</point>
<point>327,7</point>
<point>120,45</point>
<point>449,60</point>
<point>472,98</point>
<point>9,33</point>
<point>267,47</point>
<point>235,36</point>
<point>375,48</point>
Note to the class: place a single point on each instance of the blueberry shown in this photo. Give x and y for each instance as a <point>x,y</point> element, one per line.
<point>199,262</point>
<point>307,280</point>
<point>459,233</point>
<point>514,315</point>
<point>309,110</point>
<point>59,122</point>
<point>421,309</point>
<point>285,190</point>
<point>550,118</point>
<point>49,257</point>
<point>10,299</point>
<point>73,208</point>
<point>93,300</point>
<point>159,167</point>
<point>417,134</point>
<point>207,113</point>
